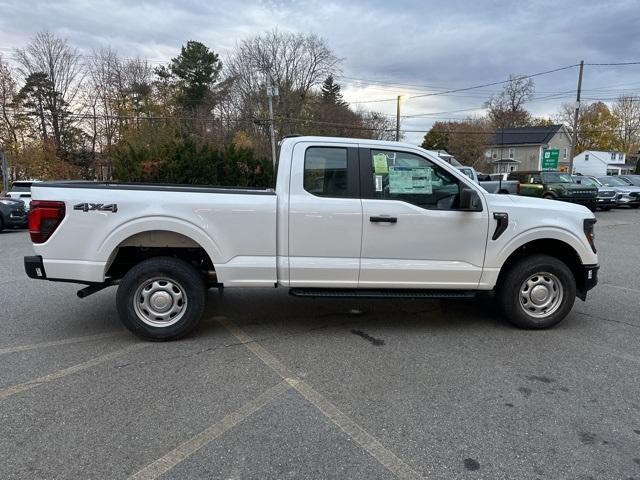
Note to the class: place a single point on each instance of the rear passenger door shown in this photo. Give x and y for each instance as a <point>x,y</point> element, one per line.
<point>325,216</point>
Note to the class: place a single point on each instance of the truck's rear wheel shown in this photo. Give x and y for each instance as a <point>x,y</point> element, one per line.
<point>161,298</point>
<point>537,292</point>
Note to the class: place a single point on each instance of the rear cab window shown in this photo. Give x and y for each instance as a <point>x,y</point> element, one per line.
<point>326,172</point>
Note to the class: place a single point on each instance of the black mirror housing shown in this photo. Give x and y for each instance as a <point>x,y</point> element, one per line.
<point>470,200</point>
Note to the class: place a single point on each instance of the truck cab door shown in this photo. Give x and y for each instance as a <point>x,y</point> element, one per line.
<point>414,233</point>
<point>325,215</point>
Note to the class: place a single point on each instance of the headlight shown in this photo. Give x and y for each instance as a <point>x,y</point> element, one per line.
<point>588,225</point>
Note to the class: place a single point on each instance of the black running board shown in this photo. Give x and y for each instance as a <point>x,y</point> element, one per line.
<point>380,293</point>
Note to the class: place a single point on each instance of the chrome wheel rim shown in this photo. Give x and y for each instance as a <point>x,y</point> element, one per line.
<point>541,295</point>
<point>160,302</point>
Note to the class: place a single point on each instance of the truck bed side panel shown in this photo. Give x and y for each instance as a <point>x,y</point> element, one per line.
<point>236,229</point>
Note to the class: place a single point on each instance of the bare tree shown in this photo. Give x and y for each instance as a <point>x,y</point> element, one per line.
<point>8,92</point>
<point>296,64</point>
<point>54,57</point>
<point>507,108</point>
<point>118,94</point>
<point>376,126</point>
<point>627,112</point>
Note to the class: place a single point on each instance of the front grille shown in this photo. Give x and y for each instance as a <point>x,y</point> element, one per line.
<point>634,194</point>
<point>606,193</point>
<point>583,192</point>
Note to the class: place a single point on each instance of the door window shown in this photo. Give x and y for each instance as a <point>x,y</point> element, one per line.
<point>411,178</point>
<point>325,171</point>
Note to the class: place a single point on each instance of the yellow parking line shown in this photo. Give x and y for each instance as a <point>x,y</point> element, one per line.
<point>21,387</point>
<point>188,448</point>
<point>359,435</point>
<point>54,343</point>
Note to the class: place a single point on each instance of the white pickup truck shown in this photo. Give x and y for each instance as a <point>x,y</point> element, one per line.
<point>347,218</point>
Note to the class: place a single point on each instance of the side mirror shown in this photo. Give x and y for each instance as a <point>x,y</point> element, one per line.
<point>470,200</point>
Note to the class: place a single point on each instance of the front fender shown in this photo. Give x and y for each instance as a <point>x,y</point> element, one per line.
<point>580,245</point>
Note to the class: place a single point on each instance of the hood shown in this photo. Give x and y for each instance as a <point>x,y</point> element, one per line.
<point>543,203</point>
<point>629,189</point>
<point>11,201</point>
<point>576,186</point>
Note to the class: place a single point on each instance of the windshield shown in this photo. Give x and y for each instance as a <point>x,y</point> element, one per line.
<point>467,171</point>
<point>613,182</point>
<point>556,177</point>
<point>592,182</point>
<point>635,180</point>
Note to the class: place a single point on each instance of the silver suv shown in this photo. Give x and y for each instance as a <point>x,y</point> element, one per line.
<point>625,194</point>
<point>606,198</point>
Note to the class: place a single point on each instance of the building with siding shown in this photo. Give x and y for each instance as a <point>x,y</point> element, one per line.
<point>521,148</point>
<point>600,163</point>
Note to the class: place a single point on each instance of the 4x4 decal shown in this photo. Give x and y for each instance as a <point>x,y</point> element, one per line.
<point>100,207</point>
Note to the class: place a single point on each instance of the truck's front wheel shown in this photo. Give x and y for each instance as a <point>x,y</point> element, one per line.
<point>537,292</point>
<point>161,298</point>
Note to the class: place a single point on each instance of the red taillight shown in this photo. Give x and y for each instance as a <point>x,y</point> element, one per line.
<point>518,187</point>
<point>44,218</point>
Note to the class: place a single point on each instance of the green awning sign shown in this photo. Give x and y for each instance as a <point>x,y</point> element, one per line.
<point>550,159</point>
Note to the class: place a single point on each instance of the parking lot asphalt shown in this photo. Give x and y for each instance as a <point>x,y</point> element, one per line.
<point>272,386</point>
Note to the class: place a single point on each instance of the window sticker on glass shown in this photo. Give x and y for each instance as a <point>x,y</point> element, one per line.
<point>400,180</point>
<point>410,180</point>
<point>378,183</point>
<point>380,163</point>
<point>421,178</point>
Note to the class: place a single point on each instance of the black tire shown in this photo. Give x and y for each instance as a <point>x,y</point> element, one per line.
<point>166,280</point>
<point>508,293</point>
<point>1,224</point>
<point>549,196</point>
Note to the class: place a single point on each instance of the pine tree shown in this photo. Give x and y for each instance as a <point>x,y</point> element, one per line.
<point>331,93</point>
<point>196,69</point>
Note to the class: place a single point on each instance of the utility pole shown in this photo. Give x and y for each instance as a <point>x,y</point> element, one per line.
<point>271,92</point>
<point>398,118</point>
<point>576,114</point>
<point>4,163</point>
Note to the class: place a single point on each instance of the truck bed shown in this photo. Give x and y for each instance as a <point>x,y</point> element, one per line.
<point>235,226</point>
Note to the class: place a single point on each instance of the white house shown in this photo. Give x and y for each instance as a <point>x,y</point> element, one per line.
<point>597,163</point>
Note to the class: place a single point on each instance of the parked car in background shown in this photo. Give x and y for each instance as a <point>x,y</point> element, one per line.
<point>627,194</point>
<point>555,186</point>
<point>606,195</point>
<point>631,179</point>
<point>21,190</point>
<point>490,185</point>
<point>12,214</point>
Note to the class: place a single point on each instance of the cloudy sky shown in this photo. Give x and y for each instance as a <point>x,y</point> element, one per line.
<point>388,48</point>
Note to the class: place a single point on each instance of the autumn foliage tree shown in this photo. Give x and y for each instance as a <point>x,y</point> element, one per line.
<point>506,109</point>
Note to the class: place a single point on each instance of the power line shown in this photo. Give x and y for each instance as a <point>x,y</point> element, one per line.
<point>613,64</point>
<point>474,87</point>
